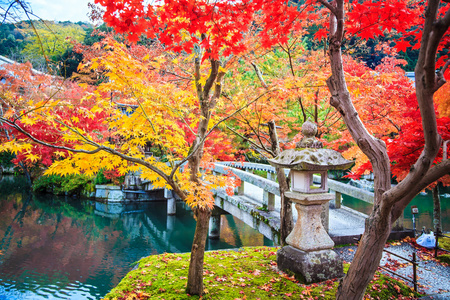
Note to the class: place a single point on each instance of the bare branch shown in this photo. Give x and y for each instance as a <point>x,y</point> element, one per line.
<point>239,110</point>
<point>329,6</point>
<point>7,11</point>
<point>260,147</point>
<point>440,79</point>
<point>433,174</point>
<point>198,145</point>
<point>259,74</point>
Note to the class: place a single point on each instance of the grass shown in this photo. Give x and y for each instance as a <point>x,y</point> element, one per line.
<point>250,273</point>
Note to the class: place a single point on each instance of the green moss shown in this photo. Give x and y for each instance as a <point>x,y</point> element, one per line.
<point>249,272</point>
<point>263,208</point>
<point>444,243</point>
<point>445,258</point>
<point>261,173</point>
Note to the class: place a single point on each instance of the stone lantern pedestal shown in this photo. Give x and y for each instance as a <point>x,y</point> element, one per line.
<point>309,255</point>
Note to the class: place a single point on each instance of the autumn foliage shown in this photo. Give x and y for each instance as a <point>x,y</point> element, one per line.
<point>405,147</point>
<point>175,94</point>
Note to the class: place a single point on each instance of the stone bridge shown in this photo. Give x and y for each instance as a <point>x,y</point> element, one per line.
<point>256,202</point>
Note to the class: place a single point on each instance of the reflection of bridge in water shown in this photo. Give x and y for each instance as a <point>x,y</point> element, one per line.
<point>256,202</point>
<point>159,233</point>
<point>170,233</point>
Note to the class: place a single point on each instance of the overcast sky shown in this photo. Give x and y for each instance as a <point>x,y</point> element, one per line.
<point>61,10</point>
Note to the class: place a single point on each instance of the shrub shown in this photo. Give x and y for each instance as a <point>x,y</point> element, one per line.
<point>62,185</point>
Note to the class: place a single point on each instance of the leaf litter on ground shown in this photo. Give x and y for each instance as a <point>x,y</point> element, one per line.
<point>248,273</point>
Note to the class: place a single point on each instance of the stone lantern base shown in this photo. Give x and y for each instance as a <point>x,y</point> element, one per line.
<point>309,255</point>
<point>310,267</point>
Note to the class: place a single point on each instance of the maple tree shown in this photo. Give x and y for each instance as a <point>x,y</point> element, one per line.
<point>214,30</point>
<point>389,202</point>
<point>23,85</point>
<point>378,96</point>
<point>267,126</point>
<point>405,148</point>
<point>297,77</point>
<point>157,108</point>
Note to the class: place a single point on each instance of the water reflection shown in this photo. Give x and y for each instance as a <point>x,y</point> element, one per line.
<point>64,248</point>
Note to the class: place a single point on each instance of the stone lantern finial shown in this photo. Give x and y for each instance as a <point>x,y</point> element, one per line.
<point>309,131</point>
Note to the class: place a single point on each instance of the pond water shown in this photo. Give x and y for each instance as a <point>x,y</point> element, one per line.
<point>424,203</point>
<point>64,248</point>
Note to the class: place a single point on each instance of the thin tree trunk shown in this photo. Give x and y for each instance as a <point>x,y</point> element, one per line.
<point>195,275</point>
<point>207,103</point>
<point>286,219</point>
<point>25,171</point>
<point>436,209</point>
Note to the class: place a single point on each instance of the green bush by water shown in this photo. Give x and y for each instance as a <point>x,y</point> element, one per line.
<point>61,185</point>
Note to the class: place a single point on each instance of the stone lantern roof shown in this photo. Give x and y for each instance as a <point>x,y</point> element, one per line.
<point>309,154</point>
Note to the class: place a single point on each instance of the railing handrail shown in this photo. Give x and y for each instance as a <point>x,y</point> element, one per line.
<point>334,185</point>
<point>263,183</point>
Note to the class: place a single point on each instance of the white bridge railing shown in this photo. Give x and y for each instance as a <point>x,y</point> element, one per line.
<point>270,187</point>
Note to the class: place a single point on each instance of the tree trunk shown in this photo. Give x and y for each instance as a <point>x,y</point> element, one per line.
<point>207,103</point>
<point>389,202</point>
<point>366,259</point>
<point>286,219</point>
<point>195,275</point>
<point>202,215</point>
<point>436,209</point>
<point>25,171</point>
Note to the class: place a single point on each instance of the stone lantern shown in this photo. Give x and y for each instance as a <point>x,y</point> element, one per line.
<point>308,254</point>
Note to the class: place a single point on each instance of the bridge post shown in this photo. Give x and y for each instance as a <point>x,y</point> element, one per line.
<point>171,202</point>
<point>338,200</point>
<point>269,198</point>
<point>170,223</point>
<point>214,227</point>
<point>269,201</point>
<point>240,189</point>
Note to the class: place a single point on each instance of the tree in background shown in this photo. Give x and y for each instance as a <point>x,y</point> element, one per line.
<point>48,40</point>
<point>22,86</point>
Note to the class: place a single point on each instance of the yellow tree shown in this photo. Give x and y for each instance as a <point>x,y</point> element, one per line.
<point>170,101</point>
